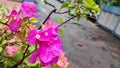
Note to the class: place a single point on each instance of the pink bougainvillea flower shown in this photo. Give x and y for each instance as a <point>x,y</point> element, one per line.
<point>50,47</point>
<point>28,9</point>
<point>5,27</point>
<point>11,50</point>
<point>62,62</point>
<point>11,40</point>
<point>49,30</point>
<point>35,36</point>
<point>14,25</point>
<point>50,25</point>
<point>14,14</point>
<point>48,52</point>
<point>33,57</point>
<point>47,55</point>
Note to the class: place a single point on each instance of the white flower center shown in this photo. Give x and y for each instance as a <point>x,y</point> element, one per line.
<point>46,33</point>
<point>37,36</point>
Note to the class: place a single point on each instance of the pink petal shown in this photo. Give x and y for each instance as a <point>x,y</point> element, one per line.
<point>33,57</point>
<point>14,25</point>
<point>11,40</point>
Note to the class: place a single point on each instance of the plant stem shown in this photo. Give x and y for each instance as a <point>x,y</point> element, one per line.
<point>50,4</point>
<point>66,21</point>
<point>48,17</point>
<point>4,23</point>
<point>61,12</point>
<point>53,11</point>
<point>21,61</point>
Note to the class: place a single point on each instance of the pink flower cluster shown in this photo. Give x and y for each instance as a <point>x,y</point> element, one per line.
<point>62,62</point>
<point>28,10</point>
<point>11,50</point>
<point>50,47</point>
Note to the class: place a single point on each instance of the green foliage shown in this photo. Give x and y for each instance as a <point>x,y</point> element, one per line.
<point>33,20</point>
<point>20,66</point>
<point>61,31</point>
<point>8,63</point>
<point>24,35</point>
<point>110,2</point>
<point>1,5</point>
<point>81,8</point>
<point>64,5</point>
<point>60,20</point>
<point>53,66</point>
<point>1,49</point>
<point>28,63</point>
<point>9,36</point>
<point>31,48</point>
<point>3,42</point>
<point>3,12</point>
<point>73,11</point>
<point>90,4</point>
<point>115,3</point>
<point>18,56</point>
<point>1,25</point>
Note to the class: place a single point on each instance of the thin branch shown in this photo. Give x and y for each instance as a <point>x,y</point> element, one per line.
<point>50,4</point>
<point>49,15</point>
<point>21,61</point>
<point>53,11</point>
<point>32,51</point>
<point>61,12</point>
<point>26,50</point>
<point>66,21</point>
<point>10,58</point>
<point>4,23</point>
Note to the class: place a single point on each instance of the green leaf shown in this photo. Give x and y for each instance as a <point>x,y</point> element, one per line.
<point>88,3</point>
<point>61,32</point>
<point>0,49</point>
<point>18,55</point>
<point>41,24</point>
<point>81,10</point>
<point>91,5</point>
<point>53,66</point>
<point>64,5</point>
<point>9,37</point>
<point>24,35</point>
<point>31,48</point>
<point>84,17</point>
<point>73,11</point>
<point>3,42</point>
<point>8,63</point>
<point>60,20</point>
<point>33,20</point>
<point>28,63</point>
<point>1,5</point>
<point>20,66</point>
<point>1,25</point>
